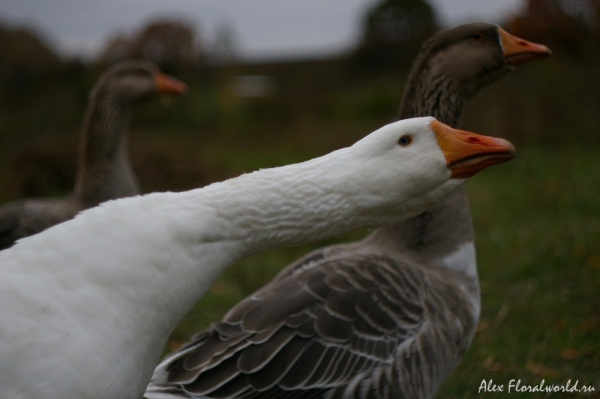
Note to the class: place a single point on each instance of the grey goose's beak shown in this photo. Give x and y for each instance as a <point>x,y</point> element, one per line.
<point>166,84</point>
<point>519,51</point>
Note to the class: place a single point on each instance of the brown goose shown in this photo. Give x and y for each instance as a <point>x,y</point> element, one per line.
<point>386,317</point>
<point>104,170</point>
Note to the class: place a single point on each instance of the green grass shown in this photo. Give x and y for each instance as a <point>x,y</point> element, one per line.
<point>537,222</point>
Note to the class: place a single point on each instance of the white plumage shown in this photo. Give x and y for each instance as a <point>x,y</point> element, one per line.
<point>86,306</point>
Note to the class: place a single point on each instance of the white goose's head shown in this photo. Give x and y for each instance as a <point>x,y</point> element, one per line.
<point>426,158</point>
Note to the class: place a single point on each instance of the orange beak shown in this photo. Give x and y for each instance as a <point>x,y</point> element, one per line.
<point>168,85</point>
<point>468,153</point>
<point>518,51</point>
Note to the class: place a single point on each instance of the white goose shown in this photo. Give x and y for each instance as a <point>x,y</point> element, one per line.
<point>86,308</point>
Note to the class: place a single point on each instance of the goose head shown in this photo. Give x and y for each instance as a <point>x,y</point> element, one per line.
<point>136,81</point>
<point>428,158</point>
<point>473,55</point>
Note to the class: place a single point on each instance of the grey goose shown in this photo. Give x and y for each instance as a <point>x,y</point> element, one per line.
<point>386,317</point>
<point>104,171</point>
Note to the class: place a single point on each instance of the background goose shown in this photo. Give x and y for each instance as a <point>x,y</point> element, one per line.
<point>104,170</point>
<point>85,309</point>
<point>389,316</point>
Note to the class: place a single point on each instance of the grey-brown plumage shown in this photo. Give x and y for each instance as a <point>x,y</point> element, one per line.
<point>386,317</point>
<point>104,170</point>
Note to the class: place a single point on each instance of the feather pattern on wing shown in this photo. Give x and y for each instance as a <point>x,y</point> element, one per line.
<point>332,326</point>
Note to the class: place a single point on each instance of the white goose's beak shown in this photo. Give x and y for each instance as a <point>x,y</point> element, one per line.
<point>166,84</point>
<point>518,51</point>
<point>468,153</point>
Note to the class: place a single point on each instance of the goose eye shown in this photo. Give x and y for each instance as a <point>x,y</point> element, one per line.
<point>405,141</point>
<point>478,36</point>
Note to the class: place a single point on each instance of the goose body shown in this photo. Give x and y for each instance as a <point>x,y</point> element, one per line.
<point>386,317</point>
<point>85,308</point>
<point>104,171</point>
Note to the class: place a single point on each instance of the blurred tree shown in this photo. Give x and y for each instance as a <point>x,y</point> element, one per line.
<point>568,26</point>
<point>116,50</point>
<point>393,31</point>
<point>171,44</point>
<point>24,54</point>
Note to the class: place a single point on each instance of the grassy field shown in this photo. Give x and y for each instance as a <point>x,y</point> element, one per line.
<point>538,234</point>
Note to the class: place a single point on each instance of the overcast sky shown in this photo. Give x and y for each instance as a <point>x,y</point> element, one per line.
<point>263,28</point>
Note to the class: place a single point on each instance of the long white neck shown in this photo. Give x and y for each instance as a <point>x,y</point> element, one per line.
<point>270,208</point>
<point>139,264</point>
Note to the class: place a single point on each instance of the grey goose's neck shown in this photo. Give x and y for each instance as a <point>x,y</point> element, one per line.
<point>445,230</point>
<point>431,94</point>
<point>104,169</point>
<point>439,237</point>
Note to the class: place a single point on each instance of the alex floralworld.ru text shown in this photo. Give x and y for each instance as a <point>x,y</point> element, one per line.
<point>516,386</point>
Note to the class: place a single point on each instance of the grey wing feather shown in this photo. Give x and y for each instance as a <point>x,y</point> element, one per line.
<point>329,326</point>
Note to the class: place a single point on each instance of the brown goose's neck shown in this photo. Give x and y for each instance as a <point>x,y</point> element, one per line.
<point>433,235</point>
<point>446,228</point>
<point>104,169</point>
<point>432,94</point>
